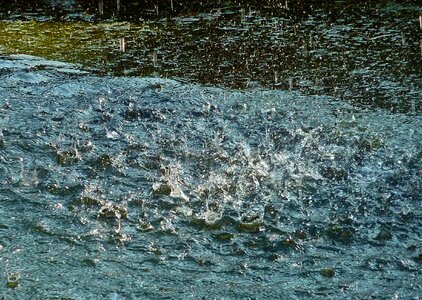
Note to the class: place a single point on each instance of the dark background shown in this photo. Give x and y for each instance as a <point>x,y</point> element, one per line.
<point>133,9</point>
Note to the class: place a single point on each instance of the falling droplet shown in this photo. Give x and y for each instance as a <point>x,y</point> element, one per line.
<point>22,169</point>
<point>155,59</point>
<point>242,13</point>
<point>122,43</point>
<point>118,6</point>
<point>421,47</point>
<point>291,84</point>
<point>101,7</point>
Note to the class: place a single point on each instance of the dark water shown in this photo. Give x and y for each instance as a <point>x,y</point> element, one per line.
<point>152,188</point>
<point>367,53</point>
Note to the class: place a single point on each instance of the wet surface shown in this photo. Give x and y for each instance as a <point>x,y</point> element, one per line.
<point>155,188</point>
<point>297,176</point>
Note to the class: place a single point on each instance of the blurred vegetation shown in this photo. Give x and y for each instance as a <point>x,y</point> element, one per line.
<point>135,10</point>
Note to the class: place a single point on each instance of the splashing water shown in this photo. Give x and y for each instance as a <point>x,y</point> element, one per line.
<point>169,190</point>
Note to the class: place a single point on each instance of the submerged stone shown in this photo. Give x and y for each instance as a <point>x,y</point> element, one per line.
<point>161,188</point>
<point>327,272</point>
<point>253,227</point>
<point>67,157</point>
<point>13,280</point>
<point>224,236</point>
<point>112,211</point>
<point>145,227</point>
<point>334,173</point>
<point>418,258</point>
<point>343,234</point>
<point>384,235</point>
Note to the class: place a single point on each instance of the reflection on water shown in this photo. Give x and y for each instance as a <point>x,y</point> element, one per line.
<point>367,54</point>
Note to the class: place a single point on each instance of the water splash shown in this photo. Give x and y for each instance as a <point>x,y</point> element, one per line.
<point>155,177</point>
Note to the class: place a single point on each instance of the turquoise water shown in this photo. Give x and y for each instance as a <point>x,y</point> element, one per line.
<point>129,188</point>
<point>229,154</point>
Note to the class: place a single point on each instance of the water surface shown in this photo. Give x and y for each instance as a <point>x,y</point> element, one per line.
<point>134,188</point>
<point>290,170</point>
<point>365,54</point>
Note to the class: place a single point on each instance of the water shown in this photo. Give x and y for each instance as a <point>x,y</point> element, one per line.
<point>154,188</point>
<point>368,54</point>
<point>134,187</point>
